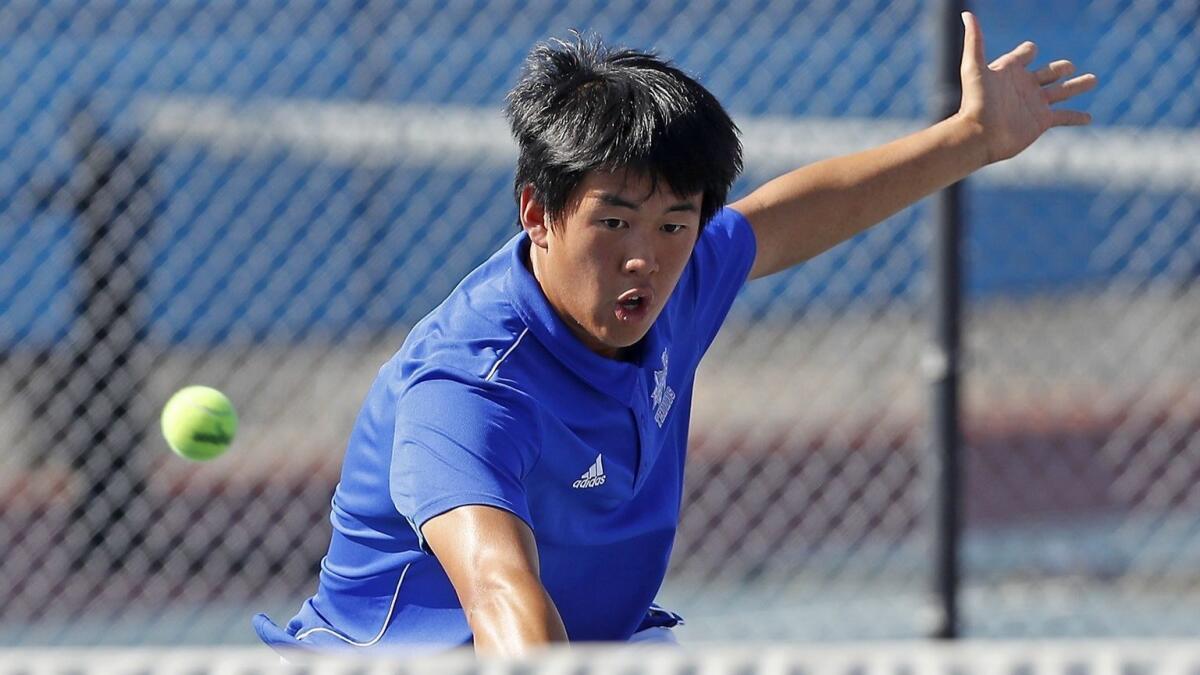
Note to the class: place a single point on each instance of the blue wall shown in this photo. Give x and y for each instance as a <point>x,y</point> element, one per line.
<point>234,258</point>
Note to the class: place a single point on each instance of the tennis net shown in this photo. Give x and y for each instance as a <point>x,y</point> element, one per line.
<point>898,658</point>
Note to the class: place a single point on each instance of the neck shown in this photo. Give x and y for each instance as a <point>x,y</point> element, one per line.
<point>537,266</point>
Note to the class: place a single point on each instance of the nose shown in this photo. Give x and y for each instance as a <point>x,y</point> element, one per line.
<point>640,258</point>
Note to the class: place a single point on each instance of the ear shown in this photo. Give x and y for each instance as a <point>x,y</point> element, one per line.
<point>533,217</point>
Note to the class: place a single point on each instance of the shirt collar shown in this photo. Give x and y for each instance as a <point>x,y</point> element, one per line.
<point>618,379</point>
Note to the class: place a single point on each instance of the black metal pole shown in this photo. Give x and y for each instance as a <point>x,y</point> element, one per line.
<point>943,357</point>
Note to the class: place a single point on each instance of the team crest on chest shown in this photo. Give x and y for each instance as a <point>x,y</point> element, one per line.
<point>663,396</point>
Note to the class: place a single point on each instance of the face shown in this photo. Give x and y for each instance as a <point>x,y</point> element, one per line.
<point>610,263</point>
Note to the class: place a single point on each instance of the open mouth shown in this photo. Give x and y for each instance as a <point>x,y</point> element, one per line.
<point>633,305</point>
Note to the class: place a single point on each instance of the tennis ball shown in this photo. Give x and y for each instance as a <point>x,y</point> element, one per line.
<point>199,423</point>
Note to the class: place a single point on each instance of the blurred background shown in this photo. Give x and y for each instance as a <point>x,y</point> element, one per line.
<point>264,196</point>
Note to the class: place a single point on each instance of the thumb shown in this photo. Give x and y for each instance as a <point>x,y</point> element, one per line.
<point>972,59</point>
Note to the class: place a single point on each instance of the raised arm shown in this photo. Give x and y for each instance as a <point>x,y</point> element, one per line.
<point>1005,107</point>
<point>492,560</point>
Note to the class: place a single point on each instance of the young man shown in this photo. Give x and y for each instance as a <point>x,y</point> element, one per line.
<point>514,477</point>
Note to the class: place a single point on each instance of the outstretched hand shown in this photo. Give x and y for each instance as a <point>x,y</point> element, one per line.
<point>1009,102</point>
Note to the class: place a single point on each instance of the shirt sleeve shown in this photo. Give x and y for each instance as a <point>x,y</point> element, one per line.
<point>458,444</point>
<point>720,265</point>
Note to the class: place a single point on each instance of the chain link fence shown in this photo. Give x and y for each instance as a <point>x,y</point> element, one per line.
<point>263,197</point>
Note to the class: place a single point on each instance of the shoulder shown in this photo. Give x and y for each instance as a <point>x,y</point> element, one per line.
<point>461,401</point>
<point>724,253</point>
<point>728,229</point>
<point>471,332</point>
<point>448,364</point>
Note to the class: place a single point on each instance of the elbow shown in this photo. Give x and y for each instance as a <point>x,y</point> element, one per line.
<point>502,597</point>
<point>490,595</point>
<point>508,615</point>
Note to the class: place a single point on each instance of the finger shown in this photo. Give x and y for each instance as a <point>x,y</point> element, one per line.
<point>1025,53</point>
<point>1054,71</point>
<point>1069,118</point>
<point>1072,87</point>
<point>972,43</point>
<point>1022,55</point>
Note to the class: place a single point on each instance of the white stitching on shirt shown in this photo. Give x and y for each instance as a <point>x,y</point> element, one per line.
<point>386,620</point>
<point>511,349</point>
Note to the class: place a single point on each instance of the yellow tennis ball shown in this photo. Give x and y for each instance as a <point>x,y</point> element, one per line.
<point>199,423</point>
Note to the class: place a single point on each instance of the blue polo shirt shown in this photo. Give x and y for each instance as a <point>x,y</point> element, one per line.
<point>492,400</point>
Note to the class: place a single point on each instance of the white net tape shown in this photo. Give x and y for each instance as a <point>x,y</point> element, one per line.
<point>899,658</point>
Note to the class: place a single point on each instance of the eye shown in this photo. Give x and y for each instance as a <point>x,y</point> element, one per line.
<point>672,228</point>
<point>612,223</point>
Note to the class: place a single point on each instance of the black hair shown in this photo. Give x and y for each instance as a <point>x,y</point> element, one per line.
<point>581,106</point>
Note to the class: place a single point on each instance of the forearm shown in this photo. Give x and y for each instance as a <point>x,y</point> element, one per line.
<point>491,558</point>
<point>812,209</point>
<point>510,620</point>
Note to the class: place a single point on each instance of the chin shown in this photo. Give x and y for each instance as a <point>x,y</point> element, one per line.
<point>624,339</point>
<point>615,337</point>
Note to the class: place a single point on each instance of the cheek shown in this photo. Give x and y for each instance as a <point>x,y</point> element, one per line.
<point>584,269</point>
<point>591,261</point>
<point>677,257</point>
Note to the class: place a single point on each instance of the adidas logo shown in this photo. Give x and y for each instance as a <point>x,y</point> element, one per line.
<point>594,476</point>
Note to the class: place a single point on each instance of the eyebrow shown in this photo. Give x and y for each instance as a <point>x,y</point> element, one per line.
<point>617,200</point>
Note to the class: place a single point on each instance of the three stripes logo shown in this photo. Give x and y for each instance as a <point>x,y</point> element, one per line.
<point>593,477</point>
